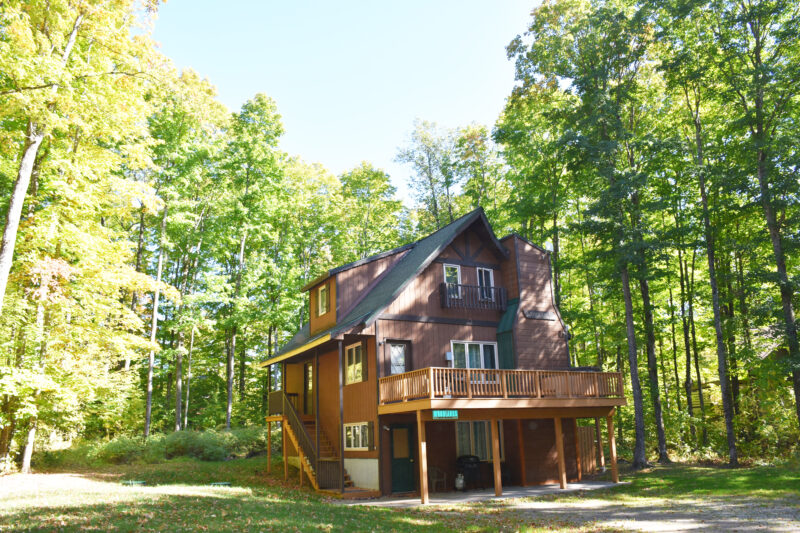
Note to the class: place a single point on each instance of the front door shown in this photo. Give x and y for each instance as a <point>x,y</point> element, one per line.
<point>402,459</point>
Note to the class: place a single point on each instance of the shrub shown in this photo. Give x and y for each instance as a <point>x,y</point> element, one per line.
<point>121,450</point>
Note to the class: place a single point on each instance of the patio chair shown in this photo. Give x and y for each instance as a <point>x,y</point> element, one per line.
<point>437,477</point>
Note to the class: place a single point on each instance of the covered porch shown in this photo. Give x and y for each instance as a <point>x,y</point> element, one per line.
<point>526,411</point>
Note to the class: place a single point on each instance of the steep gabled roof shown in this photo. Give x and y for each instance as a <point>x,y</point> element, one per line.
<point>420,254</point>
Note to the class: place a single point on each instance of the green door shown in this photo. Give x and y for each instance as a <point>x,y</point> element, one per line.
<point>402,459</point>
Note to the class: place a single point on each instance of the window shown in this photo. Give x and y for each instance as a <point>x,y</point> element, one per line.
<point>475,438</point>
<point>397,357</point>
<point>354,364</point>
<point>323,300</point>
<point>475,354</point>
<point>486,283</point>
<point>356,436</point>
<point>308,389</point>
<point>452,276</point>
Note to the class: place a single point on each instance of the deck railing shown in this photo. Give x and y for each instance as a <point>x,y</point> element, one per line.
<point>444,383</point>
<point>458,296</point>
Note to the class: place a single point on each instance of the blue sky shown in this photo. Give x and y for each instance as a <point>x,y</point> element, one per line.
<point>350,77</point>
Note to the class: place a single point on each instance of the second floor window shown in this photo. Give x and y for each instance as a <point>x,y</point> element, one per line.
<point>486,283</point>
<point>354,364</point>
<point>323,300</point>
<point>452,276</point>
<point>475,355</point>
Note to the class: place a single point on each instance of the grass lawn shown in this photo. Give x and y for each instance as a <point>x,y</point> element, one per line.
<point>178,497</point>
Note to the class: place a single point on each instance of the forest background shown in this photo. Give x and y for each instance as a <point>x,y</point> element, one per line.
<point>154,242</point>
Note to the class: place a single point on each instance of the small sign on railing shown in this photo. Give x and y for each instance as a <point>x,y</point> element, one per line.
<point>445,414</point>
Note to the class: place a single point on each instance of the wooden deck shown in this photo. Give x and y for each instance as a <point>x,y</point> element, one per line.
<point>442,388</point>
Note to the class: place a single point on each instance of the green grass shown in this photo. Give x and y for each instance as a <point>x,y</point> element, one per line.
<point>677,481</point>
<point>178,497</point>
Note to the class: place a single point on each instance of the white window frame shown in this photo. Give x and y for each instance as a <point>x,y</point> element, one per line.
<point>457,292</point>
<point>322,303</point>
<point>491,283</point>
<point>360,436</point>
<point>488,433</point>
<point>348,364</point>
<point>466,353</point>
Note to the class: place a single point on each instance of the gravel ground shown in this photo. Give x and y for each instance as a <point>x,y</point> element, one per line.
<point>654,514</point>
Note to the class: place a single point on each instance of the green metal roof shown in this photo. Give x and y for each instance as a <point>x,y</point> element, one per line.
<point>507,320</point>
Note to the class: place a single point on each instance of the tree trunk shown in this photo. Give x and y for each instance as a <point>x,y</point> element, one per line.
<point>28,451</point>
<point>154,325</point>
<point>33,139</point>
<point>230,349</point>
<point>684,269</point>
<point>179,382</point>
<point>652,369</point>
<point>639,456</point>
<point>242,368</point>
<point>188,380</point>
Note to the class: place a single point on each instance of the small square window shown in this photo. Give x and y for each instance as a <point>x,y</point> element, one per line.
<point>356,436</point>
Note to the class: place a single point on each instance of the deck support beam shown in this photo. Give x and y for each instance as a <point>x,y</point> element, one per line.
<point>612,447</point>
<point>269,447</point>
<point>562,470</point>
<point>498,478</point>
<point>423,459</point>
<point>285,451</point>
<point>577,448</point>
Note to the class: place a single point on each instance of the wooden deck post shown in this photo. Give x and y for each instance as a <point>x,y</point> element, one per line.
<point>498,478</point>
<point>601,457</point>
<point>269,447</point>
<point>423,459</point>
<point>285,454</point>
<point>521,444</point>
<point>577,448</point>
<point>562,470</point>
<point>612,447</point>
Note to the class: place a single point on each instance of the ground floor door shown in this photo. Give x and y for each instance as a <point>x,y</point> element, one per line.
<point>402,459</point>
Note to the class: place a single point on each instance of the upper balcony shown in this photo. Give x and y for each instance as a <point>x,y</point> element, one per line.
<point>458,296</point>
<point>463,387</point>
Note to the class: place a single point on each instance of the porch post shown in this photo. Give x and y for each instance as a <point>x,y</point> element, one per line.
<point>285,456</point>
<point>612,447</point>
<point>562,470</point>
<point>269,447</point>
<point>341,418</point>
<point>601,459</point>
<point>423,459</point>
<point>498,479</point>
<point>577,448</point>
<point>521,444</point>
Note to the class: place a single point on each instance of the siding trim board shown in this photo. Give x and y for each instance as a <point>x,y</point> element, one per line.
<point>440,320</point>
<point>466,262</point>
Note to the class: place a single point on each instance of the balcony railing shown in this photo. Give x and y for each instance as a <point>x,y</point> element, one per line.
<point>443,383</point>
<point>457,296</point>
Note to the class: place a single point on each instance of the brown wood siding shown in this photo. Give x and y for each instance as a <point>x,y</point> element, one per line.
<point>329,396</point>
<point>352,282</point>
<point>421,296</point>
<point>361,399</point>
<point>328,320</point>
<point>539,343</point>
<point>541,461</point>
<point>429,341</point>
<point>508,269</point>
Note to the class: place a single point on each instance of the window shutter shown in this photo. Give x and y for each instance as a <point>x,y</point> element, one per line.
<point>371,435</point>
<point>327,298</point>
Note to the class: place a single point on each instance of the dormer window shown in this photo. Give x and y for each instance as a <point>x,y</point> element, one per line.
<point>323,300</point>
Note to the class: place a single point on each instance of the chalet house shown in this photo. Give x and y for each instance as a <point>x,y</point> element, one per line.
<point>447,347</point>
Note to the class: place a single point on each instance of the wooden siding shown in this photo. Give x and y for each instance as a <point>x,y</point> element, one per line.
<point>352,282</point>
<point>361,399</point>
<point>539,440</point>
<point>508,269</point>
<point>538,343</point>
<point>329,397</point>
<point>429,341</point>
<point>328,320</point>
